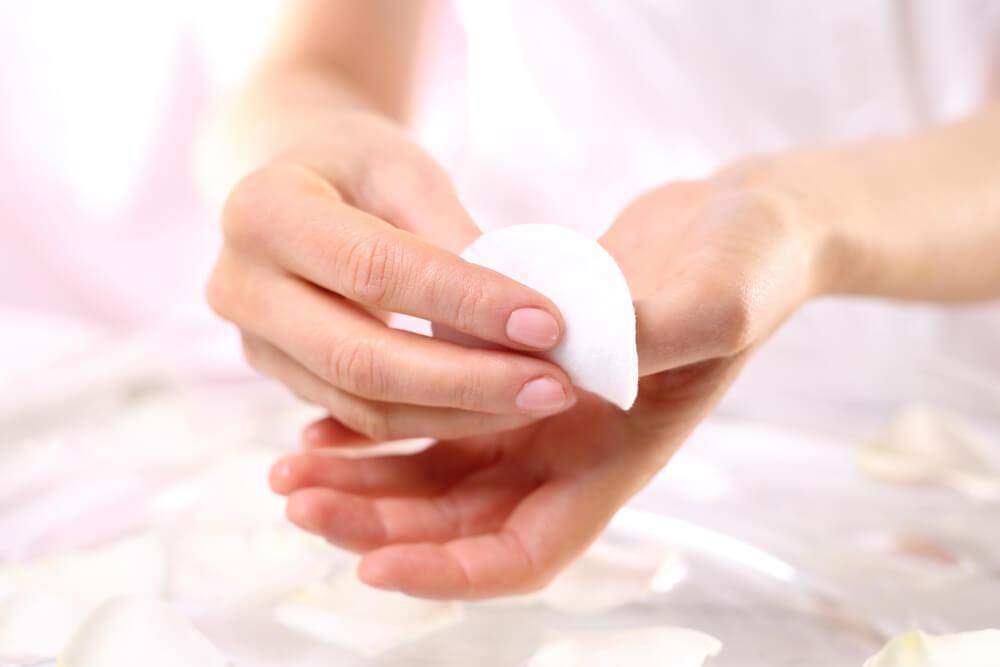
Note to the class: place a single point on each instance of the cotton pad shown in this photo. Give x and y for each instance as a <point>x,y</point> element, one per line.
<point>637,647</point>
<point>598,349</point>
<point>139,630</point>
<point>364,620</point>
<point>963,649</point>
<point>927,446</point>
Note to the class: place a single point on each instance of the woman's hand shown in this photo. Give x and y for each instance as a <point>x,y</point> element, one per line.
<point>323,243</point>
<point>712,273</point>
<point>714,268</point>
<point>500,514</point>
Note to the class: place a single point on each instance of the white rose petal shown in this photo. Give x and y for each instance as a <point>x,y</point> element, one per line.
<point>41,602</point>
<point>927,446</point>
<point>637,647</point>
<point>964,649</point>
<point>236,565</point>
<point>367,621</point>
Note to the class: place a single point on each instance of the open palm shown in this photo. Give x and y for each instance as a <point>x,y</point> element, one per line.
<point>497,514</point>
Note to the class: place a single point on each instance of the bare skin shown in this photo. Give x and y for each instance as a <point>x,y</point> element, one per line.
<point>344,219</point>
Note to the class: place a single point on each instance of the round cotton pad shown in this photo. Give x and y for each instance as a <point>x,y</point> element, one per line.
<point>598,348</point>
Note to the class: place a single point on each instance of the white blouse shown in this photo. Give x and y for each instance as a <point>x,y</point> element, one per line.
<point>570,108</point>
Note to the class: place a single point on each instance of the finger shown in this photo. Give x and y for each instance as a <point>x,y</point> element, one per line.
<point>375,420</point>
<point>329,432</point>
<point>360,355</point>
<point>476,505</point>
<point>367,260</point>
<point>550,528</point>
<point>430,472</point>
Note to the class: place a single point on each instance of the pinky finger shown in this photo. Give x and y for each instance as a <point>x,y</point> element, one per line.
<point>328,432</point>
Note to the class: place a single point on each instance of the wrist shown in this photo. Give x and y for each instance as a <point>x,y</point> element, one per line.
<point>802,191</point>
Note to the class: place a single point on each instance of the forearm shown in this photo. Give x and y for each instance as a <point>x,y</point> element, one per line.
<point>329,57</point>
<point>282,112</point>
<point>912,218</point>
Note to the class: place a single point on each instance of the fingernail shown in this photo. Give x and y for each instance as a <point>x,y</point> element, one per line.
<point>543,394</point>
<point>533,327</point>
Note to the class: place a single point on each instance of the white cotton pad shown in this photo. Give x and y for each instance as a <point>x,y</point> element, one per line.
<point>598,349</point>
<point>963,649</point>
<point>367,621</point>
<point>927,446</point>
<point>636,647</point>
<point>139,630</point>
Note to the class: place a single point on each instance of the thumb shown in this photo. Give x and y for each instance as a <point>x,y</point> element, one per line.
<point>690,322</point>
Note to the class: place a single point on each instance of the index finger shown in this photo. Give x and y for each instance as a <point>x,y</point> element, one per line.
<point>303,225</point>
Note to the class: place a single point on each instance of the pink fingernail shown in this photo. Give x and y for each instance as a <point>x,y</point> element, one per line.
<point>543,394</point>
<point>533,327</point>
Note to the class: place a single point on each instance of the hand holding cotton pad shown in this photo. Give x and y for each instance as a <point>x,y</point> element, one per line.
<point>598,349</point>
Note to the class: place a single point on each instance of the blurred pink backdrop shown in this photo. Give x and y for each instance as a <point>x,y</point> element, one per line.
<point>102,106</point>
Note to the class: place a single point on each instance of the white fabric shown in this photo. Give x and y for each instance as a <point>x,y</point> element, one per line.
<point>916,649</point>
<point>573,107</point>
<point>569,109</point>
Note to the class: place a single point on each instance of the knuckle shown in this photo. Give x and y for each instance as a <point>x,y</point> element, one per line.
<point>469,307</point>
<point>469,392</point>
<point>218,292</point>
<point>227,292</point>
<point>372,265</point>
<point>264,197</point>
<point>354,366</point>
<point>248,208</point>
